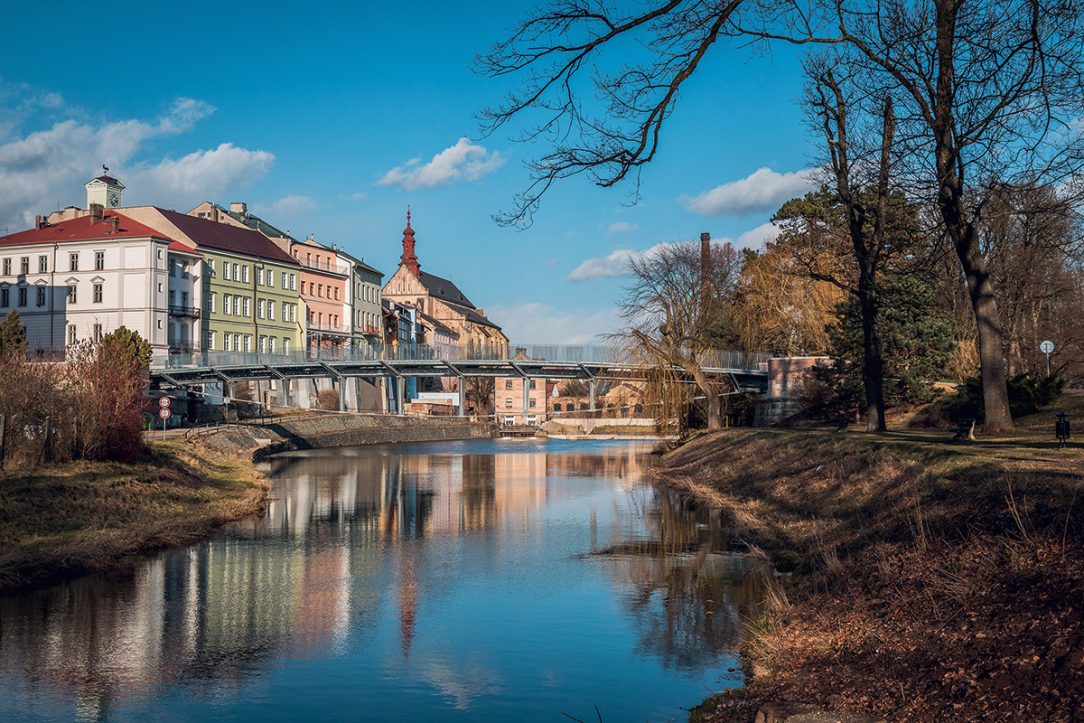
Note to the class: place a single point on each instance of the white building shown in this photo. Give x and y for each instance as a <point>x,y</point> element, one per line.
<point>88,274</point>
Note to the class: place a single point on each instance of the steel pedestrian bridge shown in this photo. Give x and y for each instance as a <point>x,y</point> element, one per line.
<point>746,371</point>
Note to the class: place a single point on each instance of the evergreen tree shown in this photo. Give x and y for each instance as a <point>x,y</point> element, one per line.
<point>129,344</point>
<point>12,335</point>
<point>918,342</point>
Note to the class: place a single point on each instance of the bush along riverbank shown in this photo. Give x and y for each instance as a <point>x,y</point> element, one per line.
<point>63,520</point>
<point>931,580</point>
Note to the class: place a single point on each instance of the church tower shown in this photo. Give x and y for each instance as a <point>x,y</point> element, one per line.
<point>409,258</point>
<point>105,190</point>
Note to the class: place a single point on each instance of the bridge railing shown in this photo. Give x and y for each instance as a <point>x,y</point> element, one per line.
<point>582,354</point>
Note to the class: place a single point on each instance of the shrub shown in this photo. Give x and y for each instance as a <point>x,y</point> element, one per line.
<point>328,399</point>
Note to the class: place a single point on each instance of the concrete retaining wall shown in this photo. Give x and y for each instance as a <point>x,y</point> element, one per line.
<point>348,430</point>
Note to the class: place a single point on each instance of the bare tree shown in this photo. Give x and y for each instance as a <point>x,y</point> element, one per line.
<point>675,311</point>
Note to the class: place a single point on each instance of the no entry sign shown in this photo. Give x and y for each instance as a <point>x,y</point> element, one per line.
<point>164,413</point>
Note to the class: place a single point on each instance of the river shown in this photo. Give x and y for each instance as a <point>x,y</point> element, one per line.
<point>482,580</point>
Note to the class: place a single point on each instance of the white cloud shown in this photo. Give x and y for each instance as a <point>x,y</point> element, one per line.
<point>291,205</point>
<point>201,174</point>
<point>464,160</point>
<point>613,265</point>
<point>763,190</point>
<point>622,227</point>
<point>46,167</point>
<point>755,238</point>
<point>539,323</point>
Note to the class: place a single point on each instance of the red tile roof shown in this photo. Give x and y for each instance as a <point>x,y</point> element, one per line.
<point>183,248</point>
<point>81,229</point>
<point>224,237</point>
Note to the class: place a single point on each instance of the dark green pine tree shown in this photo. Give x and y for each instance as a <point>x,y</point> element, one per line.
<point>129,344</point>
<point>917,342</point>
<point>12,335</point>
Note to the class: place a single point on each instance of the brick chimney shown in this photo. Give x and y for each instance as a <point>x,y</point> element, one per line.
<point>97,212</point>
<point>239,207</point>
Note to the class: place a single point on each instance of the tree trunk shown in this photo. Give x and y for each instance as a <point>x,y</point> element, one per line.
<point>873,372</point>
<point>995,387</point>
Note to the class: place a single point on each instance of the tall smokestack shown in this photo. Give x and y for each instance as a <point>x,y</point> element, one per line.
<point>705,269</point>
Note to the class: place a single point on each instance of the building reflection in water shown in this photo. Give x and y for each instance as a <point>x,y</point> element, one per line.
<point>344,536</point>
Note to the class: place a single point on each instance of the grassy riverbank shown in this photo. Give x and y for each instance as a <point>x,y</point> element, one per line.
<point>69,519</point>
<point>933,581</point>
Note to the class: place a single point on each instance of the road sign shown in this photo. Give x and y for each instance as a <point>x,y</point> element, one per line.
<point>1046,347</point>
<point>164,413</point>
<point>164,402</point>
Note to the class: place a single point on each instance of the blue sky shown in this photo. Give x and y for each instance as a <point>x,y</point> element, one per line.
<point>314,113</point>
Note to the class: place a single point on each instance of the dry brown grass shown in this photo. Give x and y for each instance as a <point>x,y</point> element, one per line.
<point>72,518</point>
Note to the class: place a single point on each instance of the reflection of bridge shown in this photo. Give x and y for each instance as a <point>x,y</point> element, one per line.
<point>745,371</point>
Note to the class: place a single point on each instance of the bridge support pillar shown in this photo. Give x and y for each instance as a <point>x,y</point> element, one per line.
<point>462,396</point>
<point>400,396</point>
<point>592,394</point>
<point>526,396</point>
<point>286,391</point>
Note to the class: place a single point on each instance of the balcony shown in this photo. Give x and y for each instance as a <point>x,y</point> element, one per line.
<point>327,266</point>
<point>176,310</point>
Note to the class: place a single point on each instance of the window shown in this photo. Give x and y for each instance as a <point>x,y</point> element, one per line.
<point>212,300</point>
<point>532,383</point>
<point>244,273</point>
<point>211,340</point>
<point>225,303</point>
<point>159,323</point>
<point>236,272</point>
<point>285,280</point>
<point>43,264</point>
<point>293,282</point>
<point>507,383</point>
<point>263,344</point>
<point>530,404</point>
<point>211,268</point>
<point>285,345</point>
<point>173,270</point>
<point>285,311</point>
<point>261,309</point>
<point>271,310</point>
<point>320,290</point>
<point>247,309</point>
<point>73,262</point>
<point>22,296</point>
<point>507,403</point>
<point>259,277</point>
<point>24,265</point>
<point>97,293</point>
<point>248,342</point>
<point>7,267</point>
<point>41,296</point>
<point>271,345</point>
<point>237,306</point>
<point>72,294</point>
<point>72,337</point>
<point>159,254</point>
<point>160,288</point>
<point>556,408</point>
<point>184,299</point>
<point>226,339</point>
<point>226,271</point>
<point>5,298</point>
<point>97,332</point>
<point>99,260</point>
<point>336,293</point>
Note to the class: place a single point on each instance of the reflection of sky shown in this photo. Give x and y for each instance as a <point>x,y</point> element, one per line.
<point>452,581</point>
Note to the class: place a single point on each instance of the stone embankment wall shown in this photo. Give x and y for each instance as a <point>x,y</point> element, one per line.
<point>339,430</point>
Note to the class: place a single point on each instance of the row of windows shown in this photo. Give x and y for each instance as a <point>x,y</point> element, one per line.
<point>367,320</point>
<point>638,409</point>
<point>317,290</point>
<point>43,263</point>
<point>232,271</point>
<point>243,343</point>
<point>369,293</point>
<point>40,297</point>
<point>508,383</point>
<point>332,319</point>
<point>508,403</point>
<point>233,305</point>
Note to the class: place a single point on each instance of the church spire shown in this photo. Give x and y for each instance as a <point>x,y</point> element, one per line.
<point>409,258</point>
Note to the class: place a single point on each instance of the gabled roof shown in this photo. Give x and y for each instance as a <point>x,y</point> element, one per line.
<point>82,228</point>
<point>223,237</point>
<point>444,290</point>
<point>108,179</point>
<point>471,314</point>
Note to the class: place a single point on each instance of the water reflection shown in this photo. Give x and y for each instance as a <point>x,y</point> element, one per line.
<point>455,577</point>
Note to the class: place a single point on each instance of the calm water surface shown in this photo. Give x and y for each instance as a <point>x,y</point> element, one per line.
<point>482,580</point>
